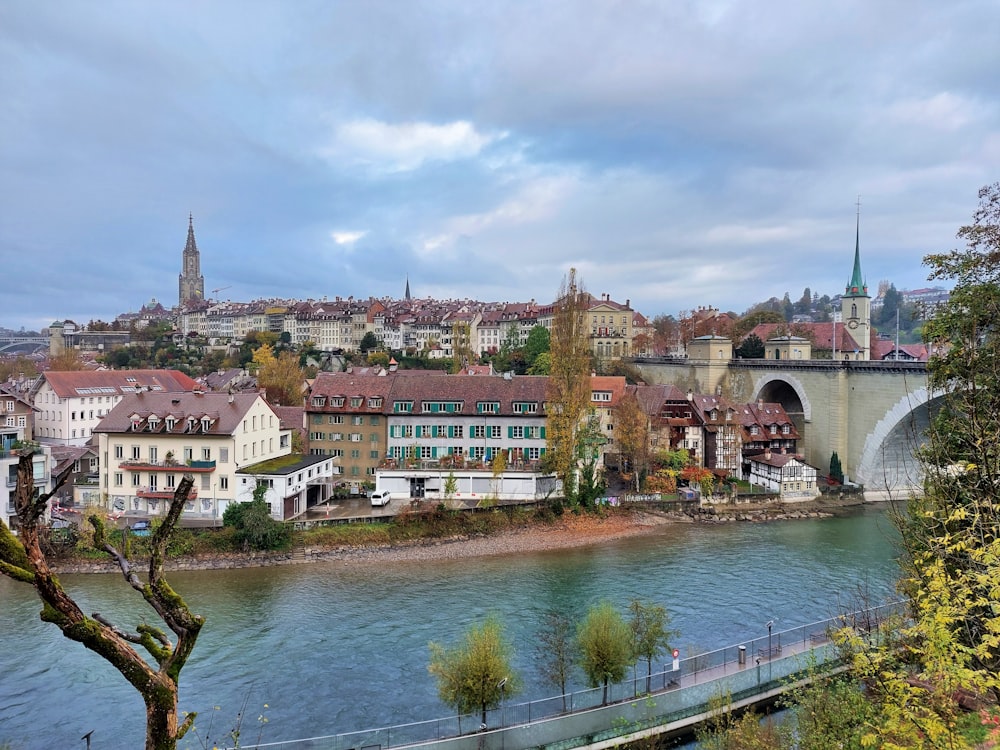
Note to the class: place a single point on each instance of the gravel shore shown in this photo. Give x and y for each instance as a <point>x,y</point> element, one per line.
<point>568,531</point>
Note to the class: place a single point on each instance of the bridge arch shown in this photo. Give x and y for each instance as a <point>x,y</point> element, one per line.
<point>786,390</point>
<point>887,458</point>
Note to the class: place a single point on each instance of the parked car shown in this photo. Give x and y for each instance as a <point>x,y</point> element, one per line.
<point>380,499</point>
<point>140,528</point>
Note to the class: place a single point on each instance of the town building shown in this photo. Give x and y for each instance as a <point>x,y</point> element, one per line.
<point>789,476</point>
<point>70,404</point>
<point>151,439</point>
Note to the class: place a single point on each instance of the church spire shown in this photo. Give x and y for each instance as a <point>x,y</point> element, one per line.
<point>407,294</point>
<point>191,246</point>
<point>857,286</point>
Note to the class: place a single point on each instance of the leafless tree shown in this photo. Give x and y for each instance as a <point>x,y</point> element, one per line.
<point>22,559</point>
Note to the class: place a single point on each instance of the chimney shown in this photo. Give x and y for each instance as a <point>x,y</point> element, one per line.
<point>767,454</point>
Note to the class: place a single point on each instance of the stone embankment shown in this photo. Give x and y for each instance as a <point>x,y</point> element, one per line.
<point>567,531</point>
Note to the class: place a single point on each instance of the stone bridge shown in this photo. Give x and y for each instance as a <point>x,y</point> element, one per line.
<point>10,344</point>
<point>873,414</point>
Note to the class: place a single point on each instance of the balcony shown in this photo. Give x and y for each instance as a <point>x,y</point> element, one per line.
<point>166,493</point>
<point>194,467</point>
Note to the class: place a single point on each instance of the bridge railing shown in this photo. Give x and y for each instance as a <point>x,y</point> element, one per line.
<point>754,666</point>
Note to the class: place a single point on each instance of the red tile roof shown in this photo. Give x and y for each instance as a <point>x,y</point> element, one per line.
<point>68,384</point>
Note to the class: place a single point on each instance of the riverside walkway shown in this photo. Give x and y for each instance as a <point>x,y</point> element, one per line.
<point>678,698</point>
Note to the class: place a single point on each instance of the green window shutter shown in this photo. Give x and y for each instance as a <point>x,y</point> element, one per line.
<point>451,431</point>
<point>434,452</point>
<point>510,432</point>
<point>542,433</point>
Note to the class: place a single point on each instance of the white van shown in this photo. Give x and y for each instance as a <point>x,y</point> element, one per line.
<point>380,499</point>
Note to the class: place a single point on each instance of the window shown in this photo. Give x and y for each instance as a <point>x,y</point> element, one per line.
<point>525,407</point>
<point>374,437</point>
<point>171,481</point>
<point>223,483</point>
<point>152,454</point>
<point>206,454</point>
<point>402,407</point>
<point>135,480</point>
<point>355,437</point>
<point>334,419</point>
<point>119,479</point>
<point>533,454</point>
<point>206,481</point>
<point>223,455</point>
<point>488,407</point>
<point>317,419</point>
<point>477,432</point>
<point>319,401</point>
<point>317,436</point>
<point>373,455</point>
<point>517,432</point>
<point>602,396</point>
<point>337,401</point>
<point>375,403</point>
<point>188,453</point>
<point>336,436</point>
<point>135,452</point>
<point>119,451</point>
<point>494,431</point>
<point>373,421</point>
<point>356,402</point>
<point>458,431</point>
<point>357,419</point>
<point>153,482</point>
<point>785,429</point>
<point>355,453</point>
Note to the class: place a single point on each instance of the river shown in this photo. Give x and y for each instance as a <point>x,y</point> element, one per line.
<point>333,648</point>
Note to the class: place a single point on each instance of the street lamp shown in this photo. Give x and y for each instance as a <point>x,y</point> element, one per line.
<point>770,653</point>
<point>502,685</point>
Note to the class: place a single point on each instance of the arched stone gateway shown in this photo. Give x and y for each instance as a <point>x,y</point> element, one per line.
<point>786,390</point>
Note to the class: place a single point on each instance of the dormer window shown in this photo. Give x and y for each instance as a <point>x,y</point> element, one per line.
<point>318,400</point>
<point>714,415</point>
<point>170,422</point>
<point>375,403</point>
<point>205,424</point>
<point>753,429</point>
<point>337,401</point>
<point>356,402</point>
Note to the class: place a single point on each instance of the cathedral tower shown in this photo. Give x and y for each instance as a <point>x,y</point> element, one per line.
<point>856,307</point>
<point>191,284</point>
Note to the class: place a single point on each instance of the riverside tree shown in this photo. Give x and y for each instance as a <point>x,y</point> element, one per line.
<point>632,436</point>
<point>650,633</point>
<point>556,651</point>
<point>476,673</point>
<point>950,532</point>
<point>22,559</point>
<point>569,381</point>
<point>604,642</point>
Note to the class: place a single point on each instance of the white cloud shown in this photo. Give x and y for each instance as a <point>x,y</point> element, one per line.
<point>942,111</point>
<point>405,146</point>
<point>533,202</point>
<point>347,238</point>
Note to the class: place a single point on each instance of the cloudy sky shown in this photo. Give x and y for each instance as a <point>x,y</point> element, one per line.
<point>677,153</point>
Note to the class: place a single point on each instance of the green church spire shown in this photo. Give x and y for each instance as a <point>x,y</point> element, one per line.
<point>857,286</point>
